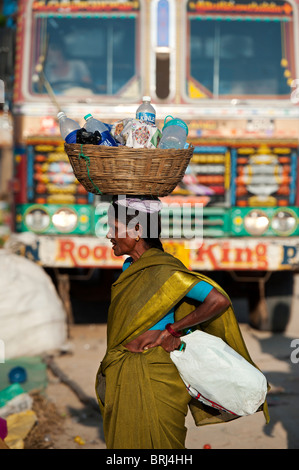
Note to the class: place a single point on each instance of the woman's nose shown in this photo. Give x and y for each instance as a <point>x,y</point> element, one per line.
<point>109,234</point>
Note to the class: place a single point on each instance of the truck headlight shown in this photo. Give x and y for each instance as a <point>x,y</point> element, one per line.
<point>284,222</point>
<point>65,220</point>
<point>256,222</point>
<point>37,219</point>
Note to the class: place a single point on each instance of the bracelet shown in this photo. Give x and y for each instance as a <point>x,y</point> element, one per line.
<point>171,331</point>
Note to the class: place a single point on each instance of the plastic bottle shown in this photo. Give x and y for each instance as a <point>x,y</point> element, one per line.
<point>174,134</point>
<point>146,112</point>
<point>68,128</point>
<point>93,125</point>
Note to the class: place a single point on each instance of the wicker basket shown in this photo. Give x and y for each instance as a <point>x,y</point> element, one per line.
<point>124,170</point>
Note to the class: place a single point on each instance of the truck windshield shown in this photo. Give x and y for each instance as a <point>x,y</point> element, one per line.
<point>95,53</point>
<point>238,49</point>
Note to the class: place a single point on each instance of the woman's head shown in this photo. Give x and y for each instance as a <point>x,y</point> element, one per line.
<point>134,220</point>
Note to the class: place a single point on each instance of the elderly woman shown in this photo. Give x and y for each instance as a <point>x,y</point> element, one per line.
<point>142,398</point>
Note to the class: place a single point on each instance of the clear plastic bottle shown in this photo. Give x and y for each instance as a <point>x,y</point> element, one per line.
<point>93,125</point>
<point>146,112</point>
<point>174,134</point>
<point>68,128</point>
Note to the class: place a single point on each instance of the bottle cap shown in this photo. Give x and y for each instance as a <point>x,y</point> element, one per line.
<point>146,98</point>
<point>175,122</point>
<point>17,375</point>
<point>60,114</point>
<point>87,116</point>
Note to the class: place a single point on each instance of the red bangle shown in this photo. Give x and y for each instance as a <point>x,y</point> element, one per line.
<point>171,331</point>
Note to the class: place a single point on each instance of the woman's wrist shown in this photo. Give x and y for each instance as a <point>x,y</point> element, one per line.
<point>170,330</point>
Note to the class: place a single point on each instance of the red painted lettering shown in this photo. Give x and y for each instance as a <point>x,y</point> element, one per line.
<point>77,255</point>
<point>261,255</point>
<point>83,251</point>
<point>248,255</point>
<point>242,253</point>
<point>100,252</point>
<point>225,253</point>
<point>66,248</point>
<point>204,251</point>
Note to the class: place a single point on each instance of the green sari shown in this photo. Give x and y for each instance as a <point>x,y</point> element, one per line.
<point>141,396</point>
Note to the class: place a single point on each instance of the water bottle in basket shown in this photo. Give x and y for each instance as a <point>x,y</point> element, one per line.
<point>68,128</point>
<point>174,134</point>
<point>93,125</point>
<point>146,112</point>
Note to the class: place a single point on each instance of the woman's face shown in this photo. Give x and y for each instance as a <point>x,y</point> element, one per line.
<point>123,241</point>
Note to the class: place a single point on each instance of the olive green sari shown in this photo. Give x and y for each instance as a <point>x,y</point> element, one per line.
<point>141,396</point>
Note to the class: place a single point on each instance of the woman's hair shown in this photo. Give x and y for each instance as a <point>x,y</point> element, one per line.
<point>149,222</point>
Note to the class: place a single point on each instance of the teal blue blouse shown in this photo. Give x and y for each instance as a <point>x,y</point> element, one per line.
<point>199,292</point>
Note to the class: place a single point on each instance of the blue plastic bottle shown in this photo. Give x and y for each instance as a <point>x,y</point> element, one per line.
<point>93,125</point>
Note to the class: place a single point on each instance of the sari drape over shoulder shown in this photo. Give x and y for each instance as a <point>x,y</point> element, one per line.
<point>141,396</point>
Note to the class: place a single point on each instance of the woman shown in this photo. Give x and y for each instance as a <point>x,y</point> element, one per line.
<point>142,398</point>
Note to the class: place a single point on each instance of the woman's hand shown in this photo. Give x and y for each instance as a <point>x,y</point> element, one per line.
<point>214,304</point>
<point>166,341</point>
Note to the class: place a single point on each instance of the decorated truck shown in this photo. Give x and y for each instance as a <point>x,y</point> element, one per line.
<point>227,68</point>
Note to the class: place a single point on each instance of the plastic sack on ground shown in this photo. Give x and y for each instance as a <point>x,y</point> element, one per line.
<point>17,404</point>
<point>10,392</point>
<point>32,317</point>
<point>18,426</point>
<point>3,428</point>
<point>218,376</point>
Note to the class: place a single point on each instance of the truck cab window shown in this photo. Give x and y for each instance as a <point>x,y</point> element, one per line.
<point>95,54</point>
<point>242,54</point>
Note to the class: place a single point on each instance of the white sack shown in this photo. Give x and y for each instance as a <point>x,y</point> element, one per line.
<point>32,317</point>
<point>218,376</point>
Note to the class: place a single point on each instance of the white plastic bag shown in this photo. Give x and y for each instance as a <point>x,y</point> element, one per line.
<point>218,376</point>
<point>32,316</point>
<point>17,404</point>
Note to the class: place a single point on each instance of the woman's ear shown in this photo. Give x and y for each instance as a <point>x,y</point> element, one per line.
<point>134,231</point>
<point>138,230</point>
<point>137,226</point>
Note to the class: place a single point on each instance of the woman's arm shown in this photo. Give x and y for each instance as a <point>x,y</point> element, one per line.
<point>213,305</point>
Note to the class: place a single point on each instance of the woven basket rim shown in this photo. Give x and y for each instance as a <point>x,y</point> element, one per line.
<point>97,149</point>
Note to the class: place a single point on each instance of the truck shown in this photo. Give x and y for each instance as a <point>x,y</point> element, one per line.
<point>228,69</point>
